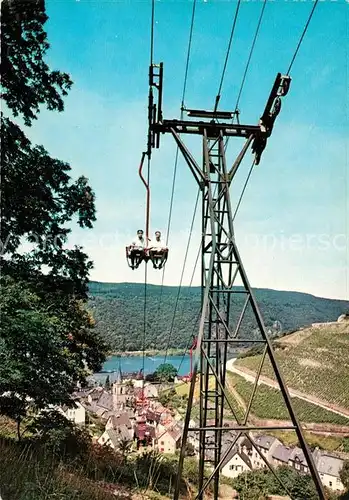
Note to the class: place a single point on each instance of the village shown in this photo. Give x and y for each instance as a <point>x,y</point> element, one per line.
<point>126,415</point>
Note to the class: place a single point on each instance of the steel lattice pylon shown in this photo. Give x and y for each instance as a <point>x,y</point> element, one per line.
<point>222,268</point>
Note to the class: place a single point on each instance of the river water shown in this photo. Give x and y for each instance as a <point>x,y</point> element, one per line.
<point>135,364</point>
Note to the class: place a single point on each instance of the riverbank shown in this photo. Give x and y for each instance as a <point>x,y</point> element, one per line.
<point>148,353</point>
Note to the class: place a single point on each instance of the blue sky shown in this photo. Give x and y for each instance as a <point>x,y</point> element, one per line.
<point>292,227</point>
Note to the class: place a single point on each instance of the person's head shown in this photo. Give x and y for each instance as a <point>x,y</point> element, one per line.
<point>140,234</point>
<point>157,235</point>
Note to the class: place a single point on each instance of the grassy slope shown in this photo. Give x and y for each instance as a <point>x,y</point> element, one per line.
<point>268,404</point>
<point>24,476</point>
<point>314,361</point>
<point>118,309</point>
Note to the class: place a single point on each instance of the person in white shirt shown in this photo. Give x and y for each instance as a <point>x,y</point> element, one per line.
<point>136,251</point>
<point>158,251</point>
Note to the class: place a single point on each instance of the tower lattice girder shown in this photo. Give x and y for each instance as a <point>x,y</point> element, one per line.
<point>222,267</point>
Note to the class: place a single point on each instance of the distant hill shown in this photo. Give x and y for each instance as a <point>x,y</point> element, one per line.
<point>119,312</point>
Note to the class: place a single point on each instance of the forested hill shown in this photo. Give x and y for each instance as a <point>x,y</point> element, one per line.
<point>119,311</point>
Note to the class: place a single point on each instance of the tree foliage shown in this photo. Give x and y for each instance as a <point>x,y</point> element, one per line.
<point>118,304</point>
<point>344,474</point>
<point>60,436</point>
<point>165,372</point>
<point>27,81</point>
<point>257,484</point>
<point>47,342</point>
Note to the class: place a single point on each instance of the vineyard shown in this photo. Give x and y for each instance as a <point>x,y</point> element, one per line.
<point>268,404</point>
<point>314,361</point>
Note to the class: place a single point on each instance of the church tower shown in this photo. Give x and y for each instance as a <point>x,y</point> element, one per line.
<point>118,392</point>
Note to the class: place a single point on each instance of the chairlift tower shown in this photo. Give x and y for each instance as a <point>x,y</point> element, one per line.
<point>220,327</point>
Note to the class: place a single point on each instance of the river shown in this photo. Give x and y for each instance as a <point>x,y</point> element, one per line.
<point>135,364</point>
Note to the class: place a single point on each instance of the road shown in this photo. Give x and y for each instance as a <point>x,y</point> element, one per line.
<point>270,383</point>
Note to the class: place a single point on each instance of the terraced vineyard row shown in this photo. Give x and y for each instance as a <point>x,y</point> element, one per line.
<point>317,364</point>
<point>268,404</point>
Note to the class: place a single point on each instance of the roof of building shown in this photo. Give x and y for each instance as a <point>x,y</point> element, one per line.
<point>102,412</point>
<point>105,401</point>
<point>143,431</point>
<point>95,393</point>
<point>297,455</point>
<point>80,394</point>
<point>91,407</point>
<point>153,416</point>
<point>327,464</point>
<point>151,391</point>
<point>264,441</point>
<point>282,453</point>
<point>175,432</point>
<point>234,451</point>
<point>122,419</point>
<point>116,436</point>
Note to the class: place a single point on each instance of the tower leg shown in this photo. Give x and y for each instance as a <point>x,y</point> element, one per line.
<point>221,268</point>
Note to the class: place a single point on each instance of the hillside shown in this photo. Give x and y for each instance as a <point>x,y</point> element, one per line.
<point>314,361</point>
<point>119,307</point>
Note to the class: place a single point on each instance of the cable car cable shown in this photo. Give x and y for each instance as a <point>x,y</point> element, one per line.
<point>196,262</point>
<point>196,317</point>
<point>302,36</point>
<point>148,179</point>
<point>288,71</point>
<point>243,190</point>
<point>218,96</point>
<point>145,321</point>
<point>182,274</point>
<point>181,116</point>
<point>247,65</point>
<point>188,54</point>
<point>250,55</point>
<point>177,152</point>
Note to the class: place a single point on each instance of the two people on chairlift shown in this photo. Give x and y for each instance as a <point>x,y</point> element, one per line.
<point>157,252</point>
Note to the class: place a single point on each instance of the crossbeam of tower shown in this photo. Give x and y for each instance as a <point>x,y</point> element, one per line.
<point>222,266</point>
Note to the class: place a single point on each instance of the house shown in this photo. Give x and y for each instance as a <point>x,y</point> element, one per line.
<point>105,401</point>
<point>297,461</point>
<point>75,413</point>
<point>194,437</point>
<point>99,411</point>
<point>329,467</point>
<point>145,435</point>
<point>94,394</point>
<point>114,422</point>
<point>235,463</point>
<point>265,445</point>
<point>81,394</point>
<point>281,455</point>
<point>150,391</point>
<point>293,457</point>
<point>153,417</point>
<point>113,437</point>
<point>169,440</point>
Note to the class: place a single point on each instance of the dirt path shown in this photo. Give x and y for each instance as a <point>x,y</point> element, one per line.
<point>250,377</point>
<point>236,395</point>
